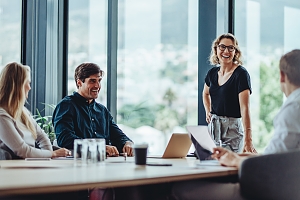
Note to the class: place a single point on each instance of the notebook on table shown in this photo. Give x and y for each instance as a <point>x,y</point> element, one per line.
<point>178,146</point>
<point>203,143</point>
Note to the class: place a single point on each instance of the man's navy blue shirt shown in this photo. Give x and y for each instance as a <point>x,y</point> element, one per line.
<point>75,118</point>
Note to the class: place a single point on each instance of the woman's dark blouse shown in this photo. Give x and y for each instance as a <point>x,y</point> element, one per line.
<point>225,98</point>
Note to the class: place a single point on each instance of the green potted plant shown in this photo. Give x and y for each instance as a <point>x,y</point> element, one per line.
<point>45,122</point>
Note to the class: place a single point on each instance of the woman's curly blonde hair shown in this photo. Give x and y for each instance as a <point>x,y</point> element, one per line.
<point>213,58</point>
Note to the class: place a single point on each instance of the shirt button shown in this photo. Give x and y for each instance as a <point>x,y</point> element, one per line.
<point>95,133</point>
<point>92,119</point>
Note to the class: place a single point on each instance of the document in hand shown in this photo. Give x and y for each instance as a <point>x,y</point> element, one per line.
<point>202,136</point>
<point>204,144</point>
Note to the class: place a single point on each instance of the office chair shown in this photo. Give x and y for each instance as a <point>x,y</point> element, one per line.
<point>5,155</point>
<point>273,176</point>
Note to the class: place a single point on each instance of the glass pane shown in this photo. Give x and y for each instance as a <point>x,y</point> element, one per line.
<point>157,85</point>
<point>87,39</point>
<point>265,32</point>
<point>222,19</point>
<point>10,31</point>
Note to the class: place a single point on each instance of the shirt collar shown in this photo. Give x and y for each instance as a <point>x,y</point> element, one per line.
<point>82,99</point>
<point>294,95</point>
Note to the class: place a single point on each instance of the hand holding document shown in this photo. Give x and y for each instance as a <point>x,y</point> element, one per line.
<point>201,134</point>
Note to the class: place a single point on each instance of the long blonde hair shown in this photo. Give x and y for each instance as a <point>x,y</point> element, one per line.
<point>13,78</point>
<point>213,58</point>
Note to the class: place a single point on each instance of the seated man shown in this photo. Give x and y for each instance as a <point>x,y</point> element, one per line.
<point>79,116</point>
<point>285,138</point>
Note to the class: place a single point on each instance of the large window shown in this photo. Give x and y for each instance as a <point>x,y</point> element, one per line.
<point>87,39</point>
<point>266,30</point>
<point>157,67</point>
<point>157,92</point>
<point>10,31</point>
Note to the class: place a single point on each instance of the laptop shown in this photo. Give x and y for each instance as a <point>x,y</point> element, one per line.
<point>178,146</point>
<point>203,143</point>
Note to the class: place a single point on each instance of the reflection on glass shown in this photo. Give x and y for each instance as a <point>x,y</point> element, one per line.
<point>87,39</point>
<point>265,32</point>
<point>10,31</point>
<point>157,69</point>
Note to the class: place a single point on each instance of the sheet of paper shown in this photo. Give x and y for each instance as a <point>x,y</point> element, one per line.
<point>202,136</point>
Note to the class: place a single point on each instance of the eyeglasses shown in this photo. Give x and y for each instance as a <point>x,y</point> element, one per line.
<point>222,47</point>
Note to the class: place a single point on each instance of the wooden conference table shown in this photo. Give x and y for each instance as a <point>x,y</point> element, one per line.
<point>20,177</point>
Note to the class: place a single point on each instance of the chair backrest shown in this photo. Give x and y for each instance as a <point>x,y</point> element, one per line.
<point>4,155</point>
<point>273,176</point>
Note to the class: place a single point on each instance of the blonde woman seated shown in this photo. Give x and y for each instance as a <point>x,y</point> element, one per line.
<point>18,130</point>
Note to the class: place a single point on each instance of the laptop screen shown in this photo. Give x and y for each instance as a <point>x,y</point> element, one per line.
<point>201,153</point>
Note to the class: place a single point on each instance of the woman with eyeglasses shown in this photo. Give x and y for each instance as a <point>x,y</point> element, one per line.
<point>226,94</point>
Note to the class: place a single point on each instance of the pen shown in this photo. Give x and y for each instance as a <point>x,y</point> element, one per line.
<point>123,154</point>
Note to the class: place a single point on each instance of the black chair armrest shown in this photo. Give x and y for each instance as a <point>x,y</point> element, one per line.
<point>5,155</point>
<point>273,176</point>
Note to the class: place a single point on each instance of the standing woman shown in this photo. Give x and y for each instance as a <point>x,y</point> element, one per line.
<point>226,93</point>
<point>18,130</point>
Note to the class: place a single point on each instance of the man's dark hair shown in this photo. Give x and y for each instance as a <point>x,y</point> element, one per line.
<point>85,70</point>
